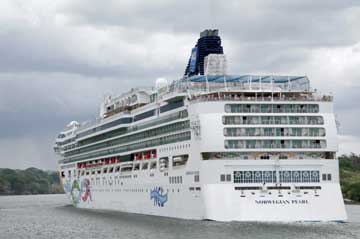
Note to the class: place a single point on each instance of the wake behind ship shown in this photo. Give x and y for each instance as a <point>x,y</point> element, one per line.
<point>209,146</point>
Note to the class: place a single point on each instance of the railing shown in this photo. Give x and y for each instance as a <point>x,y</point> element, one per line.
<point>230,97</point>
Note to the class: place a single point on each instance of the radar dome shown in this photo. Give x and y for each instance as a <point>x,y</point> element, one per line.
<point>73,123</point>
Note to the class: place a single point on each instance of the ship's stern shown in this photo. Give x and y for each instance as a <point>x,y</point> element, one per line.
<point>267,191</point>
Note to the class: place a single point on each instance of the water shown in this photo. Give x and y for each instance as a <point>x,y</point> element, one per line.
<point>50,216</point>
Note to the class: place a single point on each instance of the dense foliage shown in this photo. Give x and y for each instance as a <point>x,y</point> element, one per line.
<point>29,181</point>
<point>350,176</point>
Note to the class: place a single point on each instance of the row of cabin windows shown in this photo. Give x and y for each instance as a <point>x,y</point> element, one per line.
<point>291,120</point>
<point>272,108</point>
<point>178,160</point>
<point>150,113</point>
<point>174,147</point>
<point>135,146</point>
<point>274,144</point>
<point>134,137</point>
<point>287,176</point>
<point>111,124</point>
<point>272,155</point>
<point>161,120</point>
<point>312,132</point>
<point>144,115</point>
<point>117,169</point>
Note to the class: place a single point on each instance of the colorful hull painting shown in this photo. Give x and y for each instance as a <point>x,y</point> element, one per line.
<point>157,194</point>
<point>79,191</point>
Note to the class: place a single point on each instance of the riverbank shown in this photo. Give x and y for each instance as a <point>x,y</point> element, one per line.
<point>29,181</point>
<point>350,177</point>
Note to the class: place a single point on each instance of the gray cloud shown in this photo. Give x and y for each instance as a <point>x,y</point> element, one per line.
<point>59,59</point>
<point>309,23</point>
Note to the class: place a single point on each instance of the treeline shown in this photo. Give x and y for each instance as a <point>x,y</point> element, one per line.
<point>350,176</point>
<point>29,181</point>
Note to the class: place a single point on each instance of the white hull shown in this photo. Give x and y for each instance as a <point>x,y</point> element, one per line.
<point>216,201</point>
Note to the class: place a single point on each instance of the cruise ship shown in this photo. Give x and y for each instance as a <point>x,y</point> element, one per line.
<point>208,146</point>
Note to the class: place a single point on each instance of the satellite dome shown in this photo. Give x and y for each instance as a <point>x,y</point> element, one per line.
<point>73,123</point>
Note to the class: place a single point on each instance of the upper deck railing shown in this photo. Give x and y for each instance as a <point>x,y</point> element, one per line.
<point>230,87</point>
<point>204,83</point>
<point>284,98</point>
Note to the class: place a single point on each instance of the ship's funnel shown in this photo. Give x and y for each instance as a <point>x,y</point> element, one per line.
<point>208,43</point>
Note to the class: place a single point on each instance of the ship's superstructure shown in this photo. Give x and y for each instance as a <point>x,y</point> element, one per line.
<point>209,146</point>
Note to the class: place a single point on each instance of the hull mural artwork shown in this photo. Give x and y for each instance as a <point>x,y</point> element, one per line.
<point>86,195</point>
<point>157,194</point>
<point>80,191</point>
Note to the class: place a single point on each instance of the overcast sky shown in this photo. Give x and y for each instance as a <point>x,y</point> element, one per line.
<point>59,58</point>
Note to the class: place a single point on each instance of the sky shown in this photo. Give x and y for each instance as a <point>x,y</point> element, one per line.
<point>58,59</point>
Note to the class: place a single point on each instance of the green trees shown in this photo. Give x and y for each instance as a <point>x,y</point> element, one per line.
<point>29,181</point>
<point>350,176</point>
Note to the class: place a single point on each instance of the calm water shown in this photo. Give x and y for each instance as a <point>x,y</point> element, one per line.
<point>50,216</point>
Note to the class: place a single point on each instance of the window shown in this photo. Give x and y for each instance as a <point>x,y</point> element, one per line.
<point>136,166</point>
<point>228,177</point>
<point>179,160</point>
<point>145,166</point>
<point>163,163</point>
<point>222,178</point>
<point>196,178</point>
<point>264,157</point>
<point>153,165</point>
<point>315,176</point>
<point>329,177</point>
<point>171,106</point>
<point>144,115</point>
